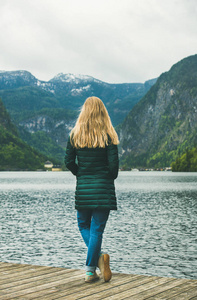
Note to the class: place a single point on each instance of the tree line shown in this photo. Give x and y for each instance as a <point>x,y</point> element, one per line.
<point>187,162</point>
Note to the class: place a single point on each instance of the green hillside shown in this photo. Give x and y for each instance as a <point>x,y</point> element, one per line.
<point>44,144</point>
<point>187,162</point>
<point>14,153</point>
<point>27,98</point>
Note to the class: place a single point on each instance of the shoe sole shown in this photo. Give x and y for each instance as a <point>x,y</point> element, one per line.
<point>107,274</point>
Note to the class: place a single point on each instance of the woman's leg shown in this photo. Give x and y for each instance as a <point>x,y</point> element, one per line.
<point>84,222</point>
<point>98,222</point>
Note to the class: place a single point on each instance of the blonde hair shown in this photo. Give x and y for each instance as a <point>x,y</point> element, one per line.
<point>93,127</point>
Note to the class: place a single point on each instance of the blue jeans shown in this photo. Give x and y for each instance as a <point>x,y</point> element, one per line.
<point>91,224</point>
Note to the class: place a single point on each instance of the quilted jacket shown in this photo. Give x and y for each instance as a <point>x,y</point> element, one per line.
<point>95,170</point>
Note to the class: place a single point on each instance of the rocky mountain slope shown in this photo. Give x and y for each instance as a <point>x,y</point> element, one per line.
<point>164,123</point>
<point>14,153</point>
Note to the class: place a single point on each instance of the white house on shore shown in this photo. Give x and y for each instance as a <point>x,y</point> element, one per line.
<point>48,164</point>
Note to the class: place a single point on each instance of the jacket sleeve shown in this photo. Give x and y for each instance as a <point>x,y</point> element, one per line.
<point>70,158</point>
<point>113,161</point>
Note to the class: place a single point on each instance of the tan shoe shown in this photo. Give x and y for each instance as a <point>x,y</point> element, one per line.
<point>91,277</point>
<point>103,264</point>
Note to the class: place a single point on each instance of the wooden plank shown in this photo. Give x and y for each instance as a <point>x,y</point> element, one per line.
<point>22,290</point>
<point>188,295</point>
<point>14,265</point>
<point>75,283</point>
<point>141,288</point>
<point>151,291</point>
<point>32,277</point>
<point>40,291</point>
<point>175,290</point>
<point>112,288</point>
<point>49,277</point>
<point>49,283</point>
<point>74,289</point>
<point>5,264</point>
<point>25,274</point>
<point>50,292</point>
<point>17,270</point>
<point>14,268</point>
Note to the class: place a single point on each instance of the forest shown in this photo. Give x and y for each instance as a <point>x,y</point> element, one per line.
<point>187,162</point>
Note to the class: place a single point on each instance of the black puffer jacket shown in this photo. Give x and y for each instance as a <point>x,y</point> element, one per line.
<point>95,169</point>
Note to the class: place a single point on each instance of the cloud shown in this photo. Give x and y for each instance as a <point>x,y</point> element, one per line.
<point>115,41</point>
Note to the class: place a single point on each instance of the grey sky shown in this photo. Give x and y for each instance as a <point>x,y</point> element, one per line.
<point>111,40</point>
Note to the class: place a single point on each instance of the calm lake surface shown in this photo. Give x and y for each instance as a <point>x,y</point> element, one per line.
<point>154,231</point>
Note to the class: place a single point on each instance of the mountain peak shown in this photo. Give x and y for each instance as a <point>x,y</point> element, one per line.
<point>18,73</point>
<point>74,78</point>
<point>12,79</point>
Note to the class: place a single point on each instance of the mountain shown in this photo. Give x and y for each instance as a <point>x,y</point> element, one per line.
<point>14,153</point>
<point>47,130</point>
<point>15,79</point>
<point>72,91</point>
<point>5,122</point>
<point>163,124</point>
<point>20,90</point>
<point>45,111</point>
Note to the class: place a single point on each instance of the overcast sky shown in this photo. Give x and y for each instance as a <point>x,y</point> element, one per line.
<point>112,40</point>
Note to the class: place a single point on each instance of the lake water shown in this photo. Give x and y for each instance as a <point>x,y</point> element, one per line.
<point>154,231</point>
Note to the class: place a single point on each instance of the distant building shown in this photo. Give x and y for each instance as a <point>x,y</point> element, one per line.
<point>48,164</point>
<point>168,169</point>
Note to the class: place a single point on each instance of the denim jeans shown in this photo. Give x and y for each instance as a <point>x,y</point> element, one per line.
<point>91,224</point>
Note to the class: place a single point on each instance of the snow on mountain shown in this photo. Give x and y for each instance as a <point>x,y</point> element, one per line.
<point>75,92</point>
<point>17,74</point>
<point>73,78</point>
<point>47,86</point>
<point>14,79</point>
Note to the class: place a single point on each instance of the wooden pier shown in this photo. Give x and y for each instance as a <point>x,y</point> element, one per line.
<point>19,281</point>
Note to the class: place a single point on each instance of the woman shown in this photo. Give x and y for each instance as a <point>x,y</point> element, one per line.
<point>92,156</point>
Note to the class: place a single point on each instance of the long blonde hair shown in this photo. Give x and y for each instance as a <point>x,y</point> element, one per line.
<point>93,127</point>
